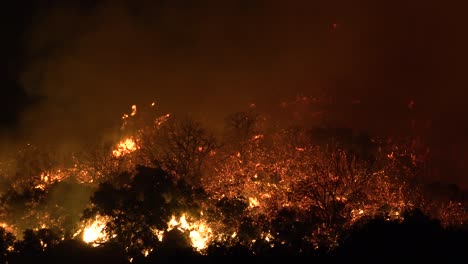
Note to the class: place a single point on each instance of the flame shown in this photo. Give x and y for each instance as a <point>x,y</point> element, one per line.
<point>125,146</point>
<point>50,177</point>
<point>200,236</point>
<point>43,245</point>
<point>260,136</point>
<point>268,237</point>
<point>199,232</point>
<point>146,252</point>
<point>94,232</point>
<point>158,233</point>
<point>253,202</point>
<point>41,186</point>
<point>8,227</point>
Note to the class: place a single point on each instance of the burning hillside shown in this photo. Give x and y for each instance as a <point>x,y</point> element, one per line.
<point>258,184</point>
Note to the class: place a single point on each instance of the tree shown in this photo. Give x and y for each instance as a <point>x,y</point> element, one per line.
<point>137,211</point>
<point>57,207</point>
<point>33,165</point>
<point>34,244</point>
<point>240,127</point>
<point>174,245</point>
<point>179,147</point>
<point>7,240</point>
<point>417,236</point>
<point>76,251</point>
<point>99,164</point>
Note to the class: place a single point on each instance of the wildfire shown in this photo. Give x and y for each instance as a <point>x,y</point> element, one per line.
<point>200,234</point>
<point>125,146</point>
<point>274,176</point>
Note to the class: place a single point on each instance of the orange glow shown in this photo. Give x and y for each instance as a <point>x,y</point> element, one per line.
<point>199,232</point>
<point>253,202</point>
<point>266,178</point>
<point>125,146</point>
<point>93,232</point>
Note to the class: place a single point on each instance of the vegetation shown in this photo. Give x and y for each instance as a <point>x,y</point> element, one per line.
<point>169,188</point>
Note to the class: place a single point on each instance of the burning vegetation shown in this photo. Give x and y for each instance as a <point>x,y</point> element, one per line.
<point>259,186</point>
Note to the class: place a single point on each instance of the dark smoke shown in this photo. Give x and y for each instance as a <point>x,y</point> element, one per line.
<point>388,68</point>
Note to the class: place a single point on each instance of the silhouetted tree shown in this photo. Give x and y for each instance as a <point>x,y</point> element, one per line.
<point>292,232</point>
<point>240,127</point>
<point>7,240</point>
<point>178,146</point>
<point>175,245</point>
<point>33,245</point>
<point>136,211</point>
<point>75,251</point>
<point>416,236</point>
<point>101,165</point>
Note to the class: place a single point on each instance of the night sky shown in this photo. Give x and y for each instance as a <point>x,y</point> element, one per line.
<point>385,67</point>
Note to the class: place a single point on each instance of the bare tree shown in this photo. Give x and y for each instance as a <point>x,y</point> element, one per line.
<point>97,163</point>
<point>178,146</point>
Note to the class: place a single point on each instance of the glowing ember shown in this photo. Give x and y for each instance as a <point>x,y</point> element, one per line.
<point>125,146</point>
<point>200,234</point>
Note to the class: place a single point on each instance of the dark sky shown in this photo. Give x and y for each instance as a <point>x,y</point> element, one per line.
<point>73,69</point>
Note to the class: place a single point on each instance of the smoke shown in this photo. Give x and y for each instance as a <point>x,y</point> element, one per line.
<point>207,59</point>
<point>383,68</point>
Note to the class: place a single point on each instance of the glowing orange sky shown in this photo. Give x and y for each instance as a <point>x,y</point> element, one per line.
<point>210,59</point>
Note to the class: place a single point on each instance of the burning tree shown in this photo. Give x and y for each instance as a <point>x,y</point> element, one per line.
<point>138,212</point>
<point>107,161</point>
<point>334,184</point>
<point>178,146</point>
